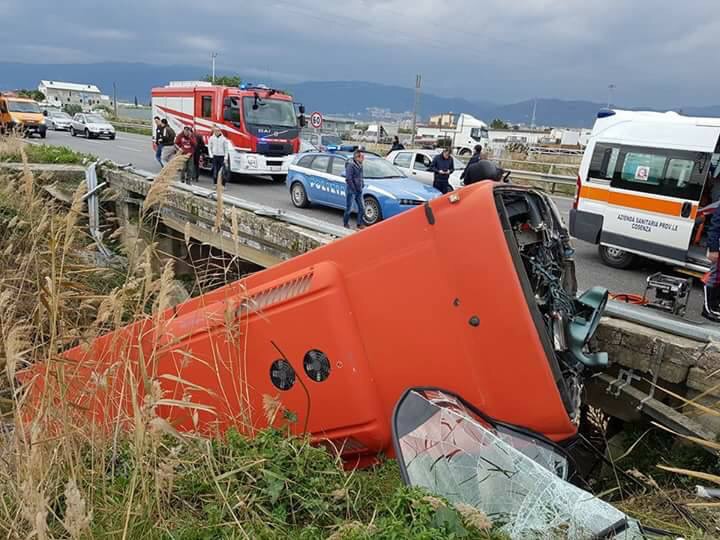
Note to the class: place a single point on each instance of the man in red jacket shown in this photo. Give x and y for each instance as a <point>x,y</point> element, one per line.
<point>186,143</point>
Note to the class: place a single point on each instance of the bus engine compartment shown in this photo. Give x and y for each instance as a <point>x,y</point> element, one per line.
<point>544,258</point>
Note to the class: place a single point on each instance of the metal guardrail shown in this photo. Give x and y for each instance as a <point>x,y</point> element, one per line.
<point>553,179</point>
<point>661,321</point>
<point>291,218</point>
<point>574,166</point>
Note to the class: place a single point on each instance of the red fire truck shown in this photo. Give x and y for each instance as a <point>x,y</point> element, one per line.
<point>260,123</point>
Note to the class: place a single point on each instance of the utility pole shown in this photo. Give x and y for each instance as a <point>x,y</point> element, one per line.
<point>115,99</point>
<point>418,81</point>
<point>214,56</point>
<point>611,87</point>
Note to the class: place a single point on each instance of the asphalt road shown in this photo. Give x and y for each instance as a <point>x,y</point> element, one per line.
<point>137,150</point>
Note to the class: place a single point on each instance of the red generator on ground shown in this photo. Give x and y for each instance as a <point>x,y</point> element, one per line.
<point>261,124</point>
<point>473,292</point>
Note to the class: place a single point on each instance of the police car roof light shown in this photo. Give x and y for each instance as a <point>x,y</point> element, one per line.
<point>605,113</point>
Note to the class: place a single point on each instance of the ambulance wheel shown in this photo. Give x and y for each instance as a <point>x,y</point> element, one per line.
<point>616,258</point>
<point>299,195</point>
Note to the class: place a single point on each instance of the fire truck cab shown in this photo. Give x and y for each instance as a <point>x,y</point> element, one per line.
<point>260,123</point>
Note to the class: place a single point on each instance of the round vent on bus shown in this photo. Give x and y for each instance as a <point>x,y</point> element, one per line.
<point>317,365</point>
<point>282,374</point>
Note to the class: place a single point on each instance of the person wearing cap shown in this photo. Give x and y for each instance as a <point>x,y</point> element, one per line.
<point>186,143</point>
<point>354,184</point>
<point>218,150</point>
<point>477,156</point>
<point>443,166</point>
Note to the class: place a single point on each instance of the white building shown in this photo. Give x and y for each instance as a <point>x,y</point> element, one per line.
<point>59,94</point>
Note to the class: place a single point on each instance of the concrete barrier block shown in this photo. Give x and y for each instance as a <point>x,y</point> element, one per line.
<point>703,381</point>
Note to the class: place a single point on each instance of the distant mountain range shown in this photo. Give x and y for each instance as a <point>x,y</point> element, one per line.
<point>332,97</point>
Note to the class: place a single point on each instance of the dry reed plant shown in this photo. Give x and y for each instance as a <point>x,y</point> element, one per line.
<point>64,476</point>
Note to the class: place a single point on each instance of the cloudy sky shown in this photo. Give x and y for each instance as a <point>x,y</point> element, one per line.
<point>658,53</point>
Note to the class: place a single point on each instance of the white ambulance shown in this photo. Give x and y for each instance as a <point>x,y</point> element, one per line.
<point>646,187</point>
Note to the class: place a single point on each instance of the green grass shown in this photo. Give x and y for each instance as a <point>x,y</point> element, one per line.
<point>41,153</point>
<point>138,130</point>
<point>270,487</point>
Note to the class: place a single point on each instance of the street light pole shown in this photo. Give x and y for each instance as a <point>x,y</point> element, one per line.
<point>418,81</point>
<point>214,55</point>
<point>611,87</point>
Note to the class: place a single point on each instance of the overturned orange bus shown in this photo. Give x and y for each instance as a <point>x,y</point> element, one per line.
<point>473,292</point>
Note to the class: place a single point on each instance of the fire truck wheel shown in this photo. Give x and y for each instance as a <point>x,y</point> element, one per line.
<point>299,195</point>
<point>373,212</point>
<point>616,258</point>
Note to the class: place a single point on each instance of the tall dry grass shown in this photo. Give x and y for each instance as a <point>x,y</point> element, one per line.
<point>61,476</point>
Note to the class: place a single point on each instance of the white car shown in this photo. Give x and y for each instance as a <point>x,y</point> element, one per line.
<point>58,120</point>
<point>416,165</point>
<point>91,126</point>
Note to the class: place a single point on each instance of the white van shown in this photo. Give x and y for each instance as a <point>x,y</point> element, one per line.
<point>644,186</point>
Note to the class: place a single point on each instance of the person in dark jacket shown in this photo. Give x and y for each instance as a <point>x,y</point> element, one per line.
<point>482,170</point>
<point>477,156</point>
<point>443,166</point>
<point>711,303</point>
<point>158,140</point>
<point>354,184</point>
<point>397,145</point>
<point>200,150</point>
<point>167,137</point>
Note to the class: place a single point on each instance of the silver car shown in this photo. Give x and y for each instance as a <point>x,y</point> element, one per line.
<point>91,126</point>
<point>58,120</point>
<point>416,165</point>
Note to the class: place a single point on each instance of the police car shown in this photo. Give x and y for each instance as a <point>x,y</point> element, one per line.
<point>319,178</point>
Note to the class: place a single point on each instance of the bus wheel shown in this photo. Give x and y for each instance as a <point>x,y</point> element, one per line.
<point>616,258</point>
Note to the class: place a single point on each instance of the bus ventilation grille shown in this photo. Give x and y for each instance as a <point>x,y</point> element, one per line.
<point>279,293</point>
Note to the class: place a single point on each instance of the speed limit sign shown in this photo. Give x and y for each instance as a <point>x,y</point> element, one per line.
<point>316,120</point>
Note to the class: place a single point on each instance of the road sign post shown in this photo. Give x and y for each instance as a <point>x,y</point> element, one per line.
<point>316,120</point>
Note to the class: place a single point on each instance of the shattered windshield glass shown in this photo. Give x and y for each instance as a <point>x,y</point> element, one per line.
<point>515,478</point>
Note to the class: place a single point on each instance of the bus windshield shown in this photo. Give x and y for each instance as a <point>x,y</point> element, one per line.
<point>269,112</point>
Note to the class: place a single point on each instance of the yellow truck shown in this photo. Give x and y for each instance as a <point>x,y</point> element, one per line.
<point>22,115</point>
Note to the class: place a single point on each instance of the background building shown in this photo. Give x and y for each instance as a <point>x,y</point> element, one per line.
<point>59,94</point>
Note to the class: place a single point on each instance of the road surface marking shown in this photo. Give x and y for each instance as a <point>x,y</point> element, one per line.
<point>128,148</point>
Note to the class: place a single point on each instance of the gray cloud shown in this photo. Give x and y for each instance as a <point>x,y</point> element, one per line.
<point>656,52</point>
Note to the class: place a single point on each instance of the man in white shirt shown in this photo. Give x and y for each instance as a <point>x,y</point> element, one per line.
<point>218,149</point>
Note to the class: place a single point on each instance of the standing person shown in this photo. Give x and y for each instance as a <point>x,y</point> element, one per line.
<point>353,189</point>
<point>477,156</point>
<point>185,143</point>
<point>168,142</point>
<point>200,149</point>
<point>157,140</point>
<point>482,170</point>
<point>218,149</point>
<point>397,145</point>
<point>711,303</point>
<point>442,165</point>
